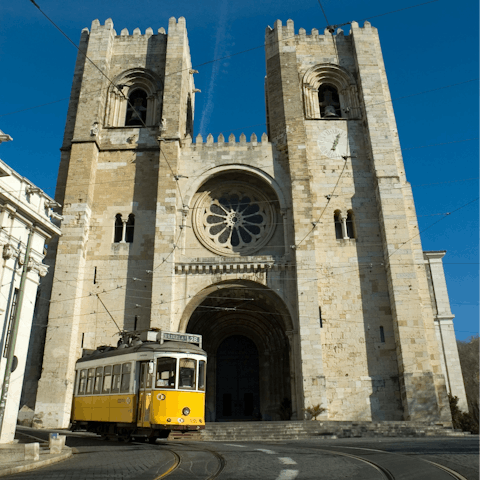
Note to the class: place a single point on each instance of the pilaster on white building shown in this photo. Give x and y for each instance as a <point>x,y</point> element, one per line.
<point>26,214</point>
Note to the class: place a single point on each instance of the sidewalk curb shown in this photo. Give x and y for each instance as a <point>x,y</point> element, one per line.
<point>34,465</point>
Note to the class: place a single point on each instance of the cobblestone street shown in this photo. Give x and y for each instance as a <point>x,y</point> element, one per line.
<point>359,459</point>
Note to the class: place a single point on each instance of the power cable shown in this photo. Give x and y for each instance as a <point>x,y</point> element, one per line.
<point>424,92</point>
<point>323,11</point>
<point>119,89</point>
<point>215,59</point>
<point>329,198</point>
<point>167,159</point>
<point>434,223</point>
<point>439,144</point>
<point>333,27</point>
<point>2,189</point>
<point>101,301</point>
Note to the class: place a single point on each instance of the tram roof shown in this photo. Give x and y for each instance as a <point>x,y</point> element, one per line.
<point>154,347</point>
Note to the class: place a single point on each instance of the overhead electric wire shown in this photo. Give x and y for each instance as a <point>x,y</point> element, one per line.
<point>269,165</point>
<point>434,223</point>
<point>329,198</point>
<point>229,56</point>
<point>399,10</point>
<point>440,144</point>
<point>175,176</point>
<point>209,61</point>
<point>323,11</point>
<point>111,316</point>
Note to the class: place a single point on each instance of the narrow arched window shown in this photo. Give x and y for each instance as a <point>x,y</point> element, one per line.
<point>350,225</point>
<point>118,229</point>
<point>382,335</point>
<point>136,108</point>
<point>130,228</point>
<point>329,101</point>
<point>189,122</point>
<point>338,225</point>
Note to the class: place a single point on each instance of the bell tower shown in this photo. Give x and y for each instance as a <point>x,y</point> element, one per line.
<point>331,119</point>
<point>132,101</point>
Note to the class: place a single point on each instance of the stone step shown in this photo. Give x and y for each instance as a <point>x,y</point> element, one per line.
<point>321,429</point>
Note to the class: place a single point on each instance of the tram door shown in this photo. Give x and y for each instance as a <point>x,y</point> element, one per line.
<point>145,394</point>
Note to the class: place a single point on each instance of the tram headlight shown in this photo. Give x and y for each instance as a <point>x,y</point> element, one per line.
<point>186,411</point>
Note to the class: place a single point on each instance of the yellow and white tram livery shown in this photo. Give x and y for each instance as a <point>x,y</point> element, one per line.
<point>149,385</point>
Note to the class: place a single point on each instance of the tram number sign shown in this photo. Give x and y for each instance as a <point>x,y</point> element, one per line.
<point>181,337</point>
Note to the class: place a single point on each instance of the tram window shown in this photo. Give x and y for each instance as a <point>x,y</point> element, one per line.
<point>201,375</point>
<point>126,374</point>
<point>187,373</point>
<point>83,382</point>
<point>107,379</point>
<point>166,368</point>
<point>97,388</point>
<point>90,380</point>
<point>117,370</point>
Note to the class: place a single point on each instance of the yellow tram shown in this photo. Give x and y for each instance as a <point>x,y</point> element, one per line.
<point>150,384</point>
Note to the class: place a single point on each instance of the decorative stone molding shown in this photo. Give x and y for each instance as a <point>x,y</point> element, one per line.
<point>37,267</point>
<point>9,251</point>
<point>127,82</point>
<point>94,130</point>
<point>229,268</point>
<point>334,75</point>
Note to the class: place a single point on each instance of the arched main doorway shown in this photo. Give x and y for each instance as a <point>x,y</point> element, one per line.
<point>245,328</point>
<point>238,394</point>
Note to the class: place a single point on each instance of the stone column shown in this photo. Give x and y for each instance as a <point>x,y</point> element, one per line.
<point>444,327</point>
<point>343,220</point>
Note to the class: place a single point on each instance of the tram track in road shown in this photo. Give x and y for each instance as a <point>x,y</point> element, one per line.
<point>438,472</point>
<point>189,463</point>
<point>387,475</point>
<point>387,465</point>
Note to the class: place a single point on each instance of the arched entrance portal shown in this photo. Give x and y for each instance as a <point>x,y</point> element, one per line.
<point>245,328</point>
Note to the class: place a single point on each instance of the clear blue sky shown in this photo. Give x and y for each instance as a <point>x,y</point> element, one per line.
<point>424,48</point>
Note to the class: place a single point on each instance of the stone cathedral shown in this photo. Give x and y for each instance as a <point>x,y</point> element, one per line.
<point>295,255</point>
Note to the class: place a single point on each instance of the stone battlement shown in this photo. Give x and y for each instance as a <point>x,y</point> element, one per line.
<point>172,25</point>
<point>288,31</point>
<point>221,143</point>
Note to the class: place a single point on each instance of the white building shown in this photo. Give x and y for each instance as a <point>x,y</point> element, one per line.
<point>25,210</point>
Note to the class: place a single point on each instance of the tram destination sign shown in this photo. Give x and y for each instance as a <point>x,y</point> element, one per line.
<point>181,337</point>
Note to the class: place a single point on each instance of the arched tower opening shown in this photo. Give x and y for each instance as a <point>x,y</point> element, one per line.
<point>246,328</point>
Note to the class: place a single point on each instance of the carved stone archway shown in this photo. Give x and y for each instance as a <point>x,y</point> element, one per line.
<point>250,310</point>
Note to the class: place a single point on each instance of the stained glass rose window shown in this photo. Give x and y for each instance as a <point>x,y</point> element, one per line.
<point>234,219</point>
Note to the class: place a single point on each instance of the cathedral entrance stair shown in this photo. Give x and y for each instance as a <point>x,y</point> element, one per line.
<point>292,430</point>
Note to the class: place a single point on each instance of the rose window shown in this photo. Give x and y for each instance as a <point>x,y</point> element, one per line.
<point>234,220</point>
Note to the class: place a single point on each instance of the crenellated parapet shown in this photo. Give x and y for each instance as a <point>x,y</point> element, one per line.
<point>137,33</point>
<point>223,143</point>
<point>284,33</point>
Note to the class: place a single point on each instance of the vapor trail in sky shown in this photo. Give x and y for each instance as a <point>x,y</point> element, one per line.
<point>219,51</point>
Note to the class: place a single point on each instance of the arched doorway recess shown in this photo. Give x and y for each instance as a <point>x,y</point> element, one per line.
<point>237,319</point>
<point>238,394</point>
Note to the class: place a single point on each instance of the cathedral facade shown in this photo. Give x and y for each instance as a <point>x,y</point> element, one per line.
<point>295,255</point>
